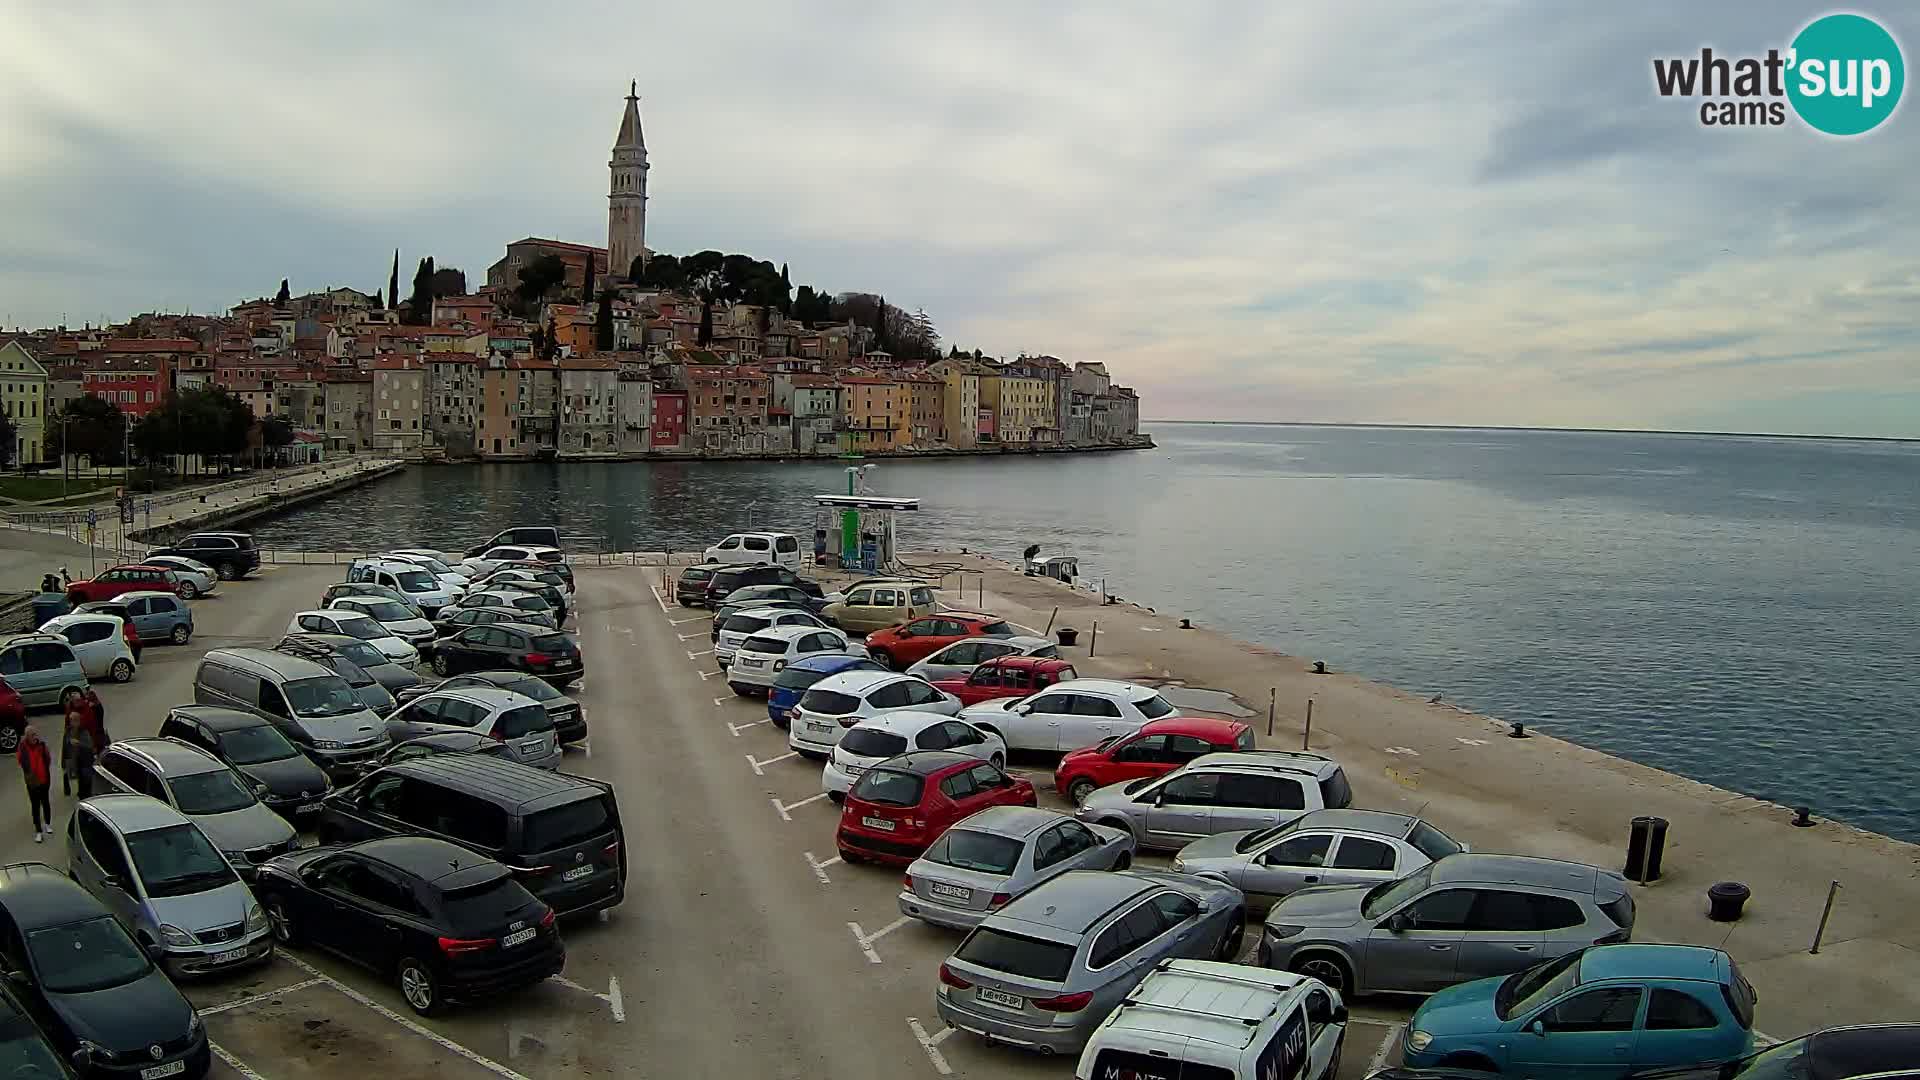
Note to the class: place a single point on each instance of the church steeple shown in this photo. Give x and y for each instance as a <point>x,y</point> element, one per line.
<point>630,133</point>
<point>627,191</point>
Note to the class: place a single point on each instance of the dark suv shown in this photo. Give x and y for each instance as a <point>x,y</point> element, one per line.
<point>536,650</point>
<point>559,833</point>
<point>231,554</point>
<point>725,580</point>
<point>690,588</point>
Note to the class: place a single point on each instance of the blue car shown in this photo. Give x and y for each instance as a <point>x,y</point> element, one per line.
<point>1598,1014</point>
<point>793,682</point>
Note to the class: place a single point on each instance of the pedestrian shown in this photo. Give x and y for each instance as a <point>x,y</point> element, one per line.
<point>97,718</point>
<point>76,757</point>
<point>36,766</point>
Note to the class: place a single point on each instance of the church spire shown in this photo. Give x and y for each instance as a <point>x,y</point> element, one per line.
<point>630,133</point>
<point>627,191</point>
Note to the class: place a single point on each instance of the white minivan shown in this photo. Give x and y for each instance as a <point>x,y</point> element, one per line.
<point>1194,1018</point>
<point>749,548</point>
<point>415,582</point>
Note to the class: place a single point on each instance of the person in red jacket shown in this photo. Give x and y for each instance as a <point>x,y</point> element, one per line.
<point>36,765</point>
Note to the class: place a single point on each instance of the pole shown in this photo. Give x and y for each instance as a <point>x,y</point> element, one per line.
<point>1096,637</point>
<point>1821,932</point>
<point>1271,691</point>
<point>1050,618</point>
<point>1306,737</point>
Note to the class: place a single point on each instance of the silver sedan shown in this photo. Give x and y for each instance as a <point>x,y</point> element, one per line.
<point>983,862</point>
<point>1325,847</point>
<point>958,660</point>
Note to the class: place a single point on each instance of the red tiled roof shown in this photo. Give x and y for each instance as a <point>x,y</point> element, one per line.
<point>149,345</point>
<point>588,363</point>
<point>396,363</point>
<point>558,244</point>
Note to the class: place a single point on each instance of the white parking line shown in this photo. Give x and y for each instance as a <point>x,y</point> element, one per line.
<point>698,655</point>
<point>783,808</point>
<point>233,1063</point>
<point>1386,1048</point>
<point>759,766</point>
<point>820,868</point>
<point>434,1037</point>
<point>661,600</point>
<point>738,728</point>
<point>866,940</point>
<point>255,998</point>
<point>696,618</point>
<point>705,675</point>
<point>690,637</point>
<point>611,997</point>
<point>719,701</point>
<point>931,1044</point>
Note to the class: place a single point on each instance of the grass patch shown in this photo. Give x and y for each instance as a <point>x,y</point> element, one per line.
<point>38,488</point>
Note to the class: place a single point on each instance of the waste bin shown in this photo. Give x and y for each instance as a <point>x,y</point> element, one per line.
<point>1725,901</point>
<point>1068,635</point>
<point>1645,843</point>
<point>48,606</point>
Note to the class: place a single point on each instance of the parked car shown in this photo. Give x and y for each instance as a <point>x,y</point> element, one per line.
<point>460,618</point>
<point>1205,1019</point>
<point>400,620</point>
<point>156,616</point>
<point>396,679</point>
<point>1043,971</point>
<point>742,625</point>
<point>42,669</point>
<point>909,643</point>
<point>569,718</point>
<point>167,884</point>
<point>312,706</point>
<point>1158,748</point>
<point>840,701</point>
<point>416,585</point>
<point>355,624</point>
<point>1216,793</point>
<point>256,749</point>
<point>1465,917</point>
<point>447,742</point>
<point>364,588</point>
<point>1070,715</point>
<point>495,557</point>
<point>544,536</point>
<point>876,605</point>
<point>761,658</point>
<point>728,610</point>
<point>556,598</point>
<point>728,580</point>
<point>1320,847</point>
<point>224,804</point>
<point>690,588</point>
<point>447,924</point>
<point>13,717</point>
<point>790,595</point>
<point>377,698</point>
<point>537,573</point>
<point>99,998</point>
<point>231,554</point>
<point>559,833</point>
<point>114,580</point>
<point>509,598</point>
<point>980,864</point>
<point>551,654</point>
<point>903,804</point>
<point>870,742</point>
<point>799,676</point>
<point>513,719</point>
<point>1007,677</point>
<point>957,661</point>
<point>449,578</point>
<point>24,1047</point>
<point>1601,1013</point>
<point>196,578</point>
<point>779,549</point>
<point>118,609</point>
<point>1852,1052</point>
<point>100,641</point>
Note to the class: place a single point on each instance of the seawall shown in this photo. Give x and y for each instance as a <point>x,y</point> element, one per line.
<point>213,514</point>
<point>1144,442</point>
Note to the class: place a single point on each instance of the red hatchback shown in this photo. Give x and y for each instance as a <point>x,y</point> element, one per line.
<point>1008,676</point>
<point>1158,748</point>
<point>898,646</point>
<point>115,580</point>
<point>902,805</point>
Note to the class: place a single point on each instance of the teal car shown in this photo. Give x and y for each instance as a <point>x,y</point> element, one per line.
<point>1598,1014</point>
<point>42,669</point>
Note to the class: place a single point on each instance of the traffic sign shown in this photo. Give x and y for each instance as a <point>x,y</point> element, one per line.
<point>93,518</point>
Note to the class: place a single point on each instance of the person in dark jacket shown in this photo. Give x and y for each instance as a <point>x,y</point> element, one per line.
<point>36,766</point>
<point>76,756</point>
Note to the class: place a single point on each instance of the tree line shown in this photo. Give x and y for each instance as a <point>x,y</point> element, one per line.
<point>206,423</point>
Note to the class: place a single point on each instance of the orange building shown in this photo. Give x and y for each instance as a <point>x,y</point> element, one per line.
<point>876,413</point>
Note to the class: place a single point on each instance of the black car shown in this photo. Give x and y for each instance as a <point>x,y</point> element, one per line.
<point>520,536</point>
<point>25,1050</point>
<point>777,594</point>
<point>569,719</point>
<point>231,554</point>
<point>537,650</point>
<point>559,833</point>
<point>259,751</point>
<point>1835,1053</point>
<point>446,742</point>
<point>728,580</point>
<point>690,588</point>
<point>89,985</point>
<point>445,922</point>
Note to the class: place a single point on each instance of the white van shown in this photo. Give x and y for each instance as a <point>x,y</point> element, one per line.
<point>750,548</point>
<point>411,580</point>
<point>1204,1020</point>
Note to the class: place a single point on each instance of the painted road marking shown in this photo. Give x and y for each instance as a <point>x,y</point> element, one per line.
<point>1386,1048</point>
<point>1406,751</point>
<point>233,1063</point>
<point>783,808</point>
<point>820,868</point>
<point>611,997</point>
<point>696,618</point>
<point>759,766</point>
<point>690,637</point>
<point>658,599</point>
<point>698,655</point>
<point>866,940</point>
<point>705,675</point>
<point>719,701</point>
<point>434,1037</point>
<point>255,999</point>
<point>1469,742</point>
<point>738,728</point>
<point>931,1044</point>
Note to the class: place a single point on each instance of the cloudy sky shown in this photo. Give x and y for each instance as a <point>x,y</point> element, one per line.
<point>1417,213</point>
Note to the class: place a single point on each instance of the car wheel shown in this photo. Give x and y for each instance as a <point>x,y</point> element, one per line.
<point>181,634</point>
<point>882,657</point>
<point>1078,791</point>
<point>188,590</point>
<point>1328,969</point>
<point>284,930</point>
<point>1234,938</point>
<point>9,738</point>
<point>419,987</point>
<point>441,667</point>
<point>225,571</point>
<point>121,671</point>
<point>836,797</point>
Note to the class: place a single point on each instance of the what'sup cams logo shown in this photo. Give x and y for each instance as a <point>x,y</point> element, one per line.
<point>1842,75</point>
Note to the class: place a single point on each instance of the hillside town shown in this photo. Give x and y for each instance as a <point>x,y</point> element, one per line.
<point>567,351</point>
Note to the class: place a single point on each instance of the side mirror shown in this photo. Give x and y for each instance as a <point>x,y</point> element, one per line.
<point>1399,923</point>
<point>1538,1027</point>
<point>1159,798</point>
<point>1023,710</point>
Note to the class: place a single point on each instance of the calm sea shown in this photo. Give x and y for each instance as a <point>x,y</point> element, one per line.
<point>1744,611</point>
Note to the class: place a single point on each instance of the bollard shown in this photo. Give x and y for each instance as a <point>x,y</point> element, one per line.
<point>1306,736</point>
<point>1725,901</point>
<point>1050,618</point>
<point>1518,731</point>
<point>1803,817</point>
<point>1271,691</point>
<point>1821,931</point>
<point>1095,639</point>
<point>1646,842</point>
<point>1186,624</point>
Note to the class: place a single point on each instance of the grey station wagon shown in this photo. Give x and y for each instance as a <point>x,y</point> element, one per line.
<point>1325,847</point>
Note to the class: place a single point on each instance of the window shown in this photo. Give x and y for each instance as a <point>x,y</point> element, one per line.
<point>1260,792</point>
<point>1151,748</point>
<point>1433,843</point>
<point>1555,913</point>
<point>1446,910</point>
<point>82,633</point>
<point>1605,1009</point>
<point>1089,705</point>
<point>1499,911</point>
<point>1184,748</point>
<point>1175,908</point>
<point>1299,851</point>
<point>1358,853</point>
<point>1050,848</point>
<point>959,786</point>
<point>1194,789</point>
<point>1032,958</point>
<point>1677,1010</point>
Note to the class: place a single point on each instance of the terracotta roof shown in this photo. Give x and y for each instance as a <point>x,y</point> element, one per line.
<point>588,363</point>
<point>452,358</point>
<point>396,363</point>
<point>149,345</point>
<point>557,244</point>
<point>865,380</point>
<point>815,381</point>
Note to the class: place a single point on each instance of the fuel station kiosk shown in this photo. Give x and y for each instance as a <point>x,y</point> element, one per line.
<point>855,532</point>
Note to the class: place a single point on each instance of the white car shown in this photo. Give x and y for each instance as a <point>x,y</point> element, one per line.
<point>354,624</point>
<point>750,548</point>
<point>1071,714</point>
<point>450,579</point>
<point>99,642</point>
<point>518,574</point>
<point>414,583</point>
<point>495,557</point>
<point>743,624</point>
<point>400,621</point>
<point>870,742</point>
<point>762,657</point>
<point>958,660</point>
<point>196,578</point>
<point>838,702</point>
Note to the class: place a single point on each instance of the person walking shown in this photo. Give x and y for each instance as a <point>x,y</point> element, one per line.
<point>36,765</point>
<point>76,757</point>
<point>97,714</point>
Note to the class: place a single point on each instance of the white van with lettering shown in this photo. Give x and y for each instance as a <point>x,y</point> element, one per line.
<point>1204,1020</point>
<point>750,548</point>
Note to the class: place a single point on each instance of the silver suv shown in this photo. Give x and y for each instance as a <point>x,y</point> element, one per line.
<point>1325,847</point>
<point>1464,917</point>
<point>518,721</point>
<point>225,805</point>
<point>1216,793</point>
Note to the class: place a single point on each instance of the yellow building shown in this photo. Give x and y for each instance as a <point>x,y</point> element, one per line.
<point>960,401</point>
<point>1018,404</point>
<point>877,414</point>
<point>23,397</point>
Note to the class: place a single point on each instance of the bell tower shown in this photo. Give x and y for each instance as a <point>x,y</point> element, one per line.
<point>627,191</point>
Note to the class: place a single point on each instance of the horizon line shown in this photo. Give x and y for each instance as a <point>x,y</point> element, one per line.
<point>1534,427</point>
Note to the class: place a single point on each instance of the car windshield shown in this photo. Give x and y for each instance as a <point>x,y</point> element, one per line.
<point>355,675</point>
<point>996,629</point>
<point>537,689</point>
<point>1014,954</point>
<point>1388,895</point>
<point>386,610</point>
<point>1433,843</point>
<point>554,643</point>
<point>325,696</point>
<point>798,678</point>
<point>82,957</point>
<point>415,581</point>
<point>890,787</point>
<point>210,793</point>
<point>362,627</point>
<point>1153,707</point>
<point>177,860</point>
<point>761,644</point>
<point>746,624</point>
<point>23,1051</point>
<point>969,850</point>
<point>254,745</point>
<point>870,742</point>
<point>477,909</point>
<point>1785,1061</point>
<point>361,654</point>
<point>525,720</point>
<point>569,824</point>
<point>1255,839</point>
<point>1534,987</point>
<point>695,573</point>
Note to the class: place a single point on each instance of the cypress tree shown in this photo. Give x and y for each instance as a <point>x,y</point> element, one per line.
<point>586,290</point>
<point>603,322</point>
<point>393,281</point>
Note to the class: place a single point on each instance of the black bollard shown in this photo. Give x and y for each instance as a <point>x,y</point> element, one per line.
<point>1725,901</point>
<point>1646,842</point>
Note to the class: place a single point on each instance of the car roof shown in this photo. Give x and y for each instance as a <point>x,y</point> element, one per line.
<point>926,762</point>
<point>774,611</point>
<point>78,616</point>
<point>1073,902</point>
<point>464,739</point>
<point>1207,1001</point>
<point>856,682</point>
<point>335,612</point>
<point>286,665</point>
<point>217,719</point>
<point>967,616</point>
<point>498,778</point>
<point>135,813</point>
<point>30,636</point>
<point>489,696</point>
<point>445,864</point>
<point>524,627</point>
<point>174,757</point>
<point>1642,960</point>
<point>36,896</point>
<point>1857,1050</point>
<point>1019,821</point>
<point>787,633</point>
<point>139,594</point>
<point>905,722</point>
<point>1318,766</point>
<point>1207,727</point>
<point>1031,663</point>
<point>140,566</point>
<point>230,534</point>
<point>833,662</point>
<point>1112,687</point>
<point>498,676</point>
<point>1516,870</point>
<point>1376,822</point>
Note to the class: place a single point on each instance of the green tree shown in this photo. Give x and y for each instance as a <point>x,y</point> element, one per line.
<point>786,291</point>
<point>659,272</point>
<point>276,434</point>
<point>537,278</point>
<point>449,281</point>
<point>7,437</point>
<point>88,425</point>
<point>420,304</point>
<point>553,340</point>
<point>393,281</point>
<point>280,298</point>
<point>603,322</point>
<point>586,287</point>
<point>803,304</point>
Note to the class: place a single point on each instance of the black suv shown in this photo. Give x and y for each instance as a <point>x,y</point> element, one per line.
<point>725,580</point>
<point>536,650</point>
<point>445,922</point>
<point>690,588</point>
<point>258,750</point>
<point>231,554</point>
<point>559,833</point>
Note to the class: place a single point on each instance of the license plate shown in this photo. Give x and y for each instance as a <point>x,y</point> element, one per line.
<point>997,997</point>
<point>821,728</point>
<point>576,873</point>
<point>518,937</point>
<point>171,1068</point>
<point>750,662</point>
<point>227,957</point>
<point>951,892</point>
<point>310,808</point>
<point>563,663</point>
<point>877,823</point>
